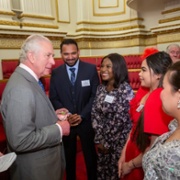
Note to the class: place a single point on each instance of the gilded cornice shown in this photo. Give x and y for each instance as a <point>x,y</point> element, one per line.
<point>110,22</point>
<point>109,39</point>
<point>124,41</point>
<point>6,13</point>
<point>162,28</point>
<point>168,38</point>
<point>171,11</point>
<point>15,41</point>
<point>9,23</point>
<point>37,16</point>
<point>28,15</point>
<point>12,33</point>
<point>104,36</point>
<point>14,23</point>
<point>40,25</point>
<point>169,20</point>
<point>11,43</point>
<point>110,29</point>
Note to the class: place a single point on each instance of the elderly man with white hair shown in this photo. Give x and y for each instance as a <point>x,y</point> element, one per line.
<point>174,51</point>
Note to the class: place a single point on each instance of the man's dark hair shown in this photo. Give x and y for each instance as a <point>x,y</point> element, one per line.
<point>67,42</point>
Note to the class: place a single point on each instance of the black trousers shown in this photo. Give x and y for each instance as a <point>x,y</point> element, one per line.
<point>86,135</point>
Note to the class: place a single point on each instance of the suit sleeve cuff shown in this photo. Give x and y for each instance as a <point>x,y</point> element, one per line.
<point>60,129</point>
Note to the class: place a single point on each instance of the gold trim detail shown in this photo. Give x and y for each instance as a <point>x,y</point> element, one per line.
<point>6,13</point>
<point>110,29</point>
<point>109,14</point>
<point>37,16</point>
<point>111,22</point>
<point>13,23</point>
<point>161,27</point>
<point>116,42</point>
<point>169,20</point>
<point>107,36</point>
<point>109,6</point>
<point>40,25</point>
<point>13,41</point>
<point>171,11</point>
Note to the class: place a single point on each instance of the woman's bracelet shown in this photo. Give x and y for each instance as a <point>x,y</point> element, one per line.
<point>133,164</point>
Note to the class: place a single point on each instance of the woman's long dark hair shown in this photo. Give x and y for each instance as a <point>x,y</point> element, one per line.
<point>159,63</point>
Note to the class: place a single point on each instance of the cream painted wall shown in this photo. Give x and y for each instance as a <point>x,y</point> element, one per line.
<point>99,26</point>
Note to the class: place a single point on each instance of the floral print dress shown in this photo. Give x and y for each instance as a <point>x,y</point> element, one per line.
<point>162,161</point>
<point>111,123</point>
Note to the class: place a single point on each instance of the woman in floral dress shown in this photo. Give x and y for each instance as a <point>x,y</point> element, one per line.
<point>110,117</point>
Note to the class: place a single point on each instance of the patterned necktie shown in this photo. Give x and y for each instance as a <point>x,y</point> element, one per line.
<point>72,78</point>
<point>41,85</point>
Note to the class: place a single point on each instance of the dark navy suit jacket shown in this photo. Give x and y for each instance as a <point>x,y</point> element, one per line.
<point>61,90</point>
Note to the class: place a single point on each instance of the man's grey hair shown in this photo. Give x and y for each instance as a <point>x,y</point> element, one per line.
<point>32,43</point>
<point>171,45</point>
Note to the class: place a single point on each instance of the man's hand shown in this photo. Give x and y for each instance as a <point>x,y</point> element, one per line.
<point>62,114</point>
<point>74,119</point>
<point>101,149</point>
<point>65,127</point>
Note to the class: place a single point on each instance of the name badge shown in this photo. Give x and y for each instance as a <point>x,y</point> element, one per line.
<point>85,83</point>
<point>109,99</point>
<point>140,107</point>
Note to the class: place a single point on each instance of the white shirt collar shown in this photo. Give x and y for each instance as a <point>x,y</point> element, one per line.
<point>29,70</point>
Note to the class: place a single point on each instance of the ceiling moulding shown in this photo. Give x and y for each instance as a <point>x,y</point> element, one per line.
<point>113,43</point>
<point>110,38</point>
<point>171,11</point>
<point>104,36</point>
<point>16,43</point>
<point>111,22</point>
<point>110,29</point>
<point>14,23</point>
<point>169,20</point>
<point>165,29</point>
<point>7,13</point>
<point>19,33</point>
<point>27,15</point>
<point>168,38</point>
<point>38,16</point>
<point>125,41</point>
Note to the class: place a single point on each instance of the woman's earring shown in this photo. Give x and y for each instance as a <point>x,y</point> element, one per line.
<point>178,104</point>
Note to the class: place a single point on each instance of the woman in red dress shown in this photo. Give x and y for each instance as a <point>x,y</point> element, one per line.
<point>153,68</point>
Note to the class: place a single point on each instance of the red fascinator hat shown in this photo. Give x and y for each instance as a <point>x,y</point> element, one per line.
<point>148,51</point>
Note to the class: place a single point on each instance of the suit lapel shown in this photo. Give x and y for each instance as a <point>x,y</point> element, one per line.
<point>34,83</point>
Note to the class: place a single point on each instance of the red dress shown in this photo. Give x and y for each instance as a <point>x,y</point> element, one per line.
<point>155,120</point>
<point>132,150</point>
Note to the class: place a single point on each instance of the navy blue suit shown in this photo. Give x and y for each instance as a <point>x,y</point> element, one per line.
<point>77,99</point>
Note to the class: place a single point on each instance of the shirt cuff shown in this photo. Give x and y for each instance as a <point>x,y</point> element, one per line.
<point>60,129</point>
